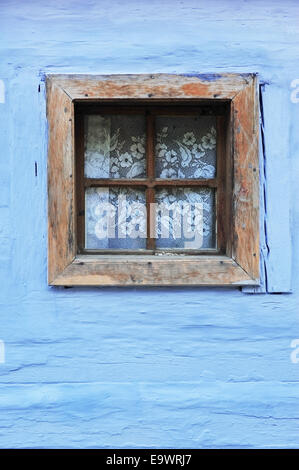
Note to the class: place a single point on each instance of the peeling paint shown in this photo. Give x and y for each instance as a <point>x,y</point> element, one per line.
<point>207,77</point>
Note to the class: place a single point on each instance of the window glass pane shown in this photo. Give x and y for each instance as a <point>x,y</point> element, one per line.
<point>115,146</point>
<point>185,218</point>
<point>185,147</point>
<point>115,218</point>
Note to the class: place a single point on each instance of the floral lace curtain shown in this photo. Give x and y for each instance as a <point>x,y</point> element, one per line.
<point>189,217</point>
<point>115,148</point>
<point>115,218</point>
<point>185,147</point>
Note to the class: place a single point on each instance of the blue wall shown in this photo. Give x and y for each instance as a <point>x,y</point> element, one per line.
<point>147,367</point>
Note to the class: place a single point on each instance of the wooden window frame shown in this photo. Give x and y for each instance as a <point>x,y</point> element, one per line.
<point>236,262</point>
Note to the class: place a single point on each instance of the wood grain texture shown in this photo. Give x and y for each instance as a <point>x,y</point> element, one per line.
<point>241,176</point>
<point>61,200</point>
<point>245,208</point>
<point>157,86</point>
<point>79,182</point>
<point>103,270</point>
<point>157,182</point>
<point>222,197</point>
<point>262,287</point>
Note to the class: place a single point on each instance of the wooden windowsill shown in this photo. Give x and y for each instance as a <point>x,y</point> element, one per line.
<point>147,270</point>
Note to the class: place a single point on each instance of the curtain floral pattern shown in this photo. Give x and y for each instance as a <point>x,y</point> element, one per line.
<point>115,218</point>
<point>115,146</point>
<point>185,147</point>
<point>189,216</point>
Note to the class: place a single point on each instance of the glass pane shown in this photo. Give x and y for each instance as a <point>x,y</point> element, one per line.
<point>115,218</point>
<point>115,146</point>
<point>185,218</point>
<point>185,147</point>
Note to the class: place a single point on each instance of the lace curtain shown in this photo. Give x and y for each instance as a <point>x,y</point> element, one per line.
<point>185,147</point>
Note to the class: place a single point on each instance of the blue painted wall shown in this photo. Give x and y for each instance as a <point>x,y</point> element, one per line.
<point>145,367</point>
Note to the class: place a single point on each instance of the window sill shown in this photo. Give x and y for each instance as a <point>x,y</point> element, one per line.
<point>147,270</point>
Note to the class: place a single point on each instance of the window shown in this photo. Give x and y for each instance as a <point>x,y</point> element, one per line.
<point>152,173</point>
<point>153,180</point>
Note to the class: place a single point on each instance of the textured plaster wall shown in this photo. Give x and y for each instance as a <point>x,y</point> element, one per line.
<point>143,367</point>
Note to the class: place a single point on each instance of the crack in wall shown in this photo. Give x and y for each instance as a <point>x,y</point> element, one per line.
<point>262,131</point>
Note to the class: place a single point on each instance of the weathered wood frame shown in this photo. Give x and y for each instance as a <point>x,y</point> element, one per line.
<point>240,263</point>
